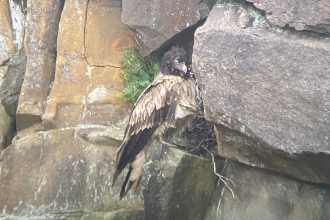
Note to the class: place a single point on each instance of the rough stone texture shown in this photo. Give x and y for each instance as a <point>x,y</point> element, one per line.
<point>261,194</point>
<point>106,35</point>
<point>270,86</point>
<point>40,44</point>
<point>301,15</point>
<point>155,22</point>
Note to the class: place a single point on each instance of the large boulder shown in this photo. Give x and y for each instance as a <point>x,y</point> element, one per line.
<point>261,194</point>
<point>173,180</point>
<point>267,91</point>
<point>155,22</point>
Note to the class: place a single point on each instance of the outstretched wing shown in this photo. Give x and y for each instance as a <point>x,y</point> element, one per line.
<point>155,105</point>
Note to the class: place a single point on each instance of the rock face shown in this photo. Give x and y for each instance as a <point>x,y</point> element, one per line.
<point>271,88</point>
<point>155,22</point>
<point>265,88</point>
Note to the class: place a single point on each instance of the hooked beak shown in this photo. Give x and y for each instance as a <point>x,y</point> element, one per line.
<point>184,68</point>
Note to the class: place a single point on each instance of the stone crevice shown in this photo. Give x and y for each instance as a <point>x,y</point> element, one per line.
<point>85,30</point>
<point>97,65</point>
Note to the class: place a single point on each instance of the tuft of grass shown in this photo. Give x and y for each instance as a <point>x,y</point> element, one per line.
<point>138,71</point>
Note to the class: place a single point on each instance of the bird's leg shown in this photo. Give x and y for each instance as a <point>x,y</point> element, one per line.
<point>169,144</point>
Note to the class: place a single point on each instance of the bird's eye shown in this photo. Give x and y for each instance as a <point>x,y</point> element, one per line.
<point>176,62</point>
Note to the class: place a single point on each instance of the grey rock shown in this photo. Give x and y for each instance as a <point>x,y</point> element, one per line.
<point>301,15</point>
<point>155,22</point>
<point>6,128</point>
<point>272,86</point>
<point>109,136</point>
<point>122,214</point>
<point>261,194</point>
<point>11,83</point>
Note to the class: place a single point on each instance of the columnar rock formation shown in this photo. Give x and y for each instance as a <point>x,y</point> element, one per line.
<point>263,68</point>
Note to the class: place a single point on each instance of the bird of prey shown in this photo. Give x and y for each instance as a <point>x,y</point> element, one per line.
<point>165,103</point>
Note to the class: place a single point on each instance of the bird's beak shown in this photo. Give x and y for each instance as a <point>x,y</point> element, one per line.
<point>184,68</point>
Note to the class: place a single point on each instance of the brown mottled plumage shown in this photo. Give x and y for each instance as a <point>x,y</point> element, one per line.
<point>170,97</point>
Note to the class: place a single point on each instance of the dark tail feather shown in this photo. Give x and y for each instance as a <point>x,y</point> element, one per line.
<point>125,189</point>
<point>115,176</point>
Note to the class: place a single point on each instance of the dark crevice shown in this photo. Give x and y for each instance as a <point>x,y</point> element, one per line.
<point>57,23</point>
<point>97,65</point>
<point>185,39</point>
<point>85,31</point>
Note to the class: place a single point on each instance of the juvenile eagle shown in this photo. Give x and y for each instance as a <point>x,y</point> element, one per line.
<point>165,103</point>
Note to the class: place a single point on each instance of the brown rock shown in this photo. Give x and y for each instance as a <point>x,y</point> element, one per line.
<point>90,88</point>
<point>106,35</point>
<point>40,44</point>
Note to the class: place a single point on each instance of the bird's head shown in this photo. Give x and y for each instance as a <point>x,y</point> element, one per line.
<point>174,62</point>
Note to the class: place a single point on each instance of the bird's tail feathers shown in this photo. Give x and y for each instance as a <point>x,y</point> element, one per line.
<point>134,173</point>
<point>125,188</point>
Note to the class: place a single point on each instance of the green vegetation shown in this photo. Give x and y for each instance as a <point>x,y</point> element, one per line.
<point>138,72</point>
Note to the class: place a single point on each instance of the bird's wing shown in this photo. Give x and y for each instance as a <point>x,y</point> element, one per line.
<point>155,105</point>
